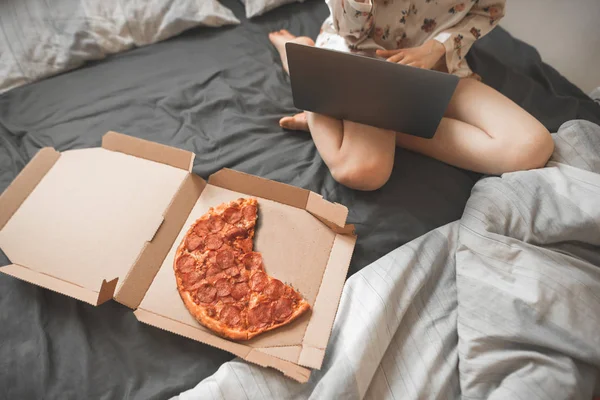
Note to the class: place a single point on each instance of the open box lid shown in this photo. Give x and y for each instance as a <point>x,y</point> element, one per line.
<point>81,221</point>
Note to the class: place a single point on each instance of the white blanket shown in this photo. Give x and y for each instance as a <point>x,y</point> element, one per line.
<point>504,303</point>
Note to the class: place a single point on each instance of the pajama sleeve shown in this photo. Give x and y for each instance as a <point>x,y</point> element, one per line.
<point>352,19</point>
<point>457,40</point>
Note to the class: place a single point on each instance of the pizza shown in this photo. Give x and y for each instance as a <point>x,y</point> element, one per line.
<point>223,282</point>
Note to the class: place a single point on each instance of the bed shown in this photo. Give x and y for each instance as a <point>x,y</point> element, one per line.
<point>219,93</point>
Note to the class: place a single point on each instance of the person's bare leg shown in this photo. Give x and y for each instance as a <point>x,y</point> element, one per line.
<point>358,156</point>
<point>280,38</point>
<point>486,132</point>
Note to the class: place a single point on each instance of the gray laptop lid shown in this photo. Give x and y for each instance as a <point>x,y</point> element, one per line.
<point>368,90</point>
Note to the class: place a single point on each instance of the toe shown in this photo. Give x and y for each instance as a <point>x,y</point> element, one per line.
<point>297,122</point>
<point>286,122</point>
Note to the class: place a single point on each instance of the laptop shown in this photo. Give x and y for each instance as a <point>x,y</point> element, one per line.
<point>369,91</point>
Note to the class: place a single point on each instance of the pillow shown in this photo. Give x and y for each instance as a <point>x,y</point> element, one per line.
<point>40,38</point>
<point>255,8</point>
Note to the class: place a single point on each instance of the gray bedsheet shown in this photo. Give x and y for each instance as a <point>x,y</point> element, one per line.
<point>220,94</point>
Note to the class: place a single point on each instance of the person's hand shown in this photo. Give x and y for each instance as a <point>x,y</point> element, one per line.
<point>425,56</point>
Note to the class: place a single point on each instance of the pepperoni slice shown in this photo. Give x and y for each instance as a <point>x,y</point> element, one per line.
<point>214,278</point>
<point>227,300</point>
<point>235,232</point>
<point>225,258</point>
<point>215,224</point>
<point>223,287</point>
<point>233,271</point>
<point>212,271</point>
<point>274,289</point>
<point>189,280</point>
<point>211,257</point>
<point>252,261</point>
<point>193,241</point>
<point>214,242</point>
<point>249,213</point>
<point>240,290</point>
<point>231,315</point>
<point>282,309</point>
<point>206,293</point>
<point>260,316</point>
<point>232,215</point>
<point>186,264</point>
<point>202,228</point>
<point>244,276</point>
<point>245,245</point>
<point>259,281</point>
<point>195,286</point>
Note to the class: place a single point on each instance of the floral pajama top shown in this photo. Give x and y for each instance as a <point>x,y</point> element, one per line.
<point>394,24</point>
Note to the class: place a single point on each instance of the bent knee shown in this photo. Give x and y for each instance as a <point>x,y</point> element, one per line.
<point>365,176</point>
<point>532,151</point>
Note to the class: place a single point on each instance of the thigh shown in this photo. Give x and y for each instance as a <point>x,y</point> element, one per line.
<point>479,105</point>
<point>367,143</point>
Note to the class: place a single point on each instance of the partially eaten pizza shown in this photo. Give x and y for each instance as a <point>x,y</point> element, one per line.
<point>222,281</point>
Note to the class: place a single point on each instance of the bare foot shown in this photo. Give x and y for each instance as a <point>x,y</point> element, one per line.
<point>280,38</point>
<point>297,122</point>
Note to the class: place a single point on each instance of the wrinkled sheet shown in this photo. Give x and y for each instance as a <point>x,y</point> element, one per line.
<point>219,93</point>
<point>503,303</point>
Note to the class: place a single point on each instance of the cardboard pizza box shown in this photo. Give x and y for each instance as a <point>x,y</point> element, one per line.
<point>104,223</point>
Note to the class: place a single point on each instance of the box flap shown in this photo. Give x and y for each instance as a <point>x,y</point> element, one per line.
<point>319,328</point>
<point>283,352</point>
<point>292,370</point>
<point>152,151</point>
<point>189,331</point>
<point>58,285</point>
<point>92,217</point>
<point>25,182</point>
<point>140,276</point>
<point>260,187</point>
<point>289,369</point>
<point>333,213</point>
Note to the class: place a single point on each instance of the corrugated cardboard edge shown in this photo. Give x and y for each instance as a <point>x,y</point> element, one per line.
<point>148,150</point>
<point>16,193</point>
<point>326,304</point>
<point>289,369</point>
<point>334,214</point>
<point>140,276</point>
<point>60,286</point>
<point>294,371</point>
